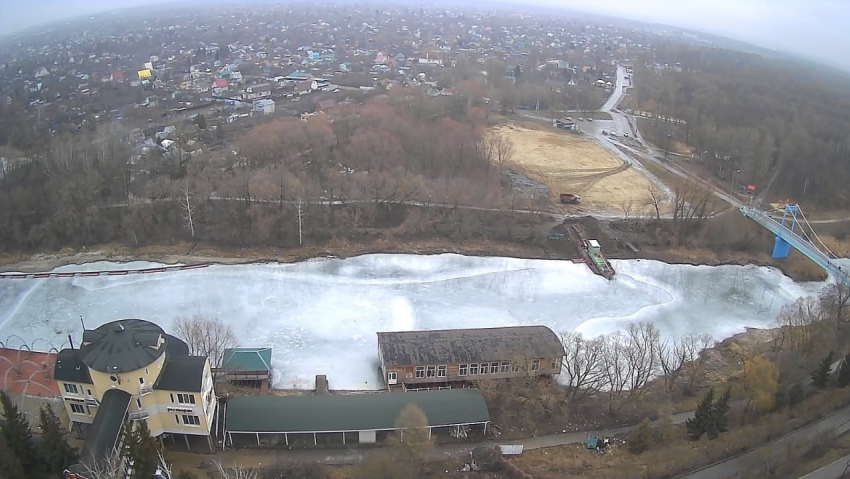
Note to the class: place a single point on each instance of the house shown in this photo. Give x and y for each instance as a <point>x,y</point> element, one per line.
<point>251,365</point>
<point>254,92</point>
<point>298,76</point>
<point>307,86</point>
<point>220,83</point>
<point>443,358</point>
<point>130,370</point>
<point>117,75</point>
<point>265,106</point>
<point>326,105</point>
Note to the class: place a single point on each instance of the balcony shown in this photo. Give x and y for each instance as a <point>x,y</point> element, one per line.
<point>145,389</point>
<point>92,401</point>
<point>139,415</point>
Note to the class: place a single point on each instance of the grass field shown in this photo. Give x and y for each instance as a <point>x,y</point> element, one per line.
<point>568,163</point>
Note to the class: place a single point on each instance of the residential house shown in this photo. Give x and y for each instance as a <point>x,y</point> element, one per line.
<point>307,86</point>
<point>265,106</point>
<point>248,365</point>
<point>326,105</point>
<point>443,358</point>
<point>258,91</point>
<point>131,370</point>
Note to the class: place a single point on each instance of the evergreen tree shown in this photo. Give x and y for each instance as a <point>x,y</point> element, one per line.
<point>58,454</point>
<point>128,442</point>
<point>10,466</point>
<point>640,440</point>
<point>703,417</point>
<point>18,436</point>
<point>820,378</point>
<point>145,455</point>
<point>781,398</point>
<point>720,410</point>
<point>844,373</point>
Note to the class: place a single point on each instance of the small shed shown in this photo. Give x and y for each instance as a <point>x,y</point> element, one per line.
<point>251,365</point>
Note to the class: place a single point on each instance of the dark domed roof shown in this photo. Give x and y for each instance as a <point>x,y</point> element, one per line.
<point>123,345</point>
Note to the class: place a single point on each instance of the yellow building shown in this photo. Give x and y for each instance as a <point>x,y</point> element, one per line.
<point>131,370</point>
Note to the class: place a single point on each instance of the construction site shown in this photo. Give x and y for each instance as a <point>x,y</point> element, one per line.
<point>569,164</point>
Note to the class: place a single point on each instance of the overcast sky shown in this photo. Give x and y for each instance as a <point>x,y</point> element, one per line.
<point>817,29</point>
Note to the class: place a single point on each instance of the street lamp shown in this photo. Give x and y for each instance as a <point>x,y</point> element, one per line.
<point>732,185</point>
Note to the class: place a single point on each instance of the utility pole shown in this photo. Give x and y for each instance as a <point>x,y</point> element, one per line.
<point>732,185</point>
<point>299,222</point>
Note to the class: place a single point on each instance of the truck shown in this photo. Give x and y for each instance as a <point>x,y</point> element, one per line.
<point>570,199</point>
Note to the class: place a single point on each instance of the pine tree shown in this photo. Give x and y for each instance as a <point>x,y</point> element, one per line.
<point>10,466</point>
<point>145,454</point>
<point>719,411</point>
<point>820,378</point>
<point>702,420</point>
<point>18,436</point>
<point>844,373</point>
<point>58,454</point>
<point>796,394</point>
<point>640,440</point>
<point>128,442</point>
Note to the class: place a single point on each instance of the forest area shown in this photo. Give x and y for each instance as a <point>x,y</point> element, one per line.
<point>754,114</point>
<point>285,182</point>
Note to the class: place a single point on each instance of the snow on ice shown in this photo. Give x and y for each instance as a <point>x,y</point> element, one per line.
<point>321,316</point>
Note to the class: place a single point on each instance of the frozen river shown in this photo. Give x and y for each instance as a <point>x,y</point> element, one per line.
<point>321,316</point>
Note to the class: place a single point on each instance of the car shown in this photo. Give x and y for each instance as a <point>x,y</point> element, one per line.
<point>581,118</point>
<point>590,119</point>
<point>626,135</point>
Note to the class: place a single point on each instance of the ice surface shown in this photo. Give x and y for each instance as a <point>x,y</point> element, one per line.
<point>321,316</point>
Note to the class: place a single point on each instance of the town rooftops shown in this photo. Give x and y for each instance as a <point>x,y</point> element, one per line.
<point>354,412</point>
<point>452,346</point>
<point>70,367</point>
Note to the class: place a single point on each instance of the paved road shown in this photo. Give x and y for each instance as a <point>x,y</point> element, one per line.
<point>750,463</point>
<point>835,470</point>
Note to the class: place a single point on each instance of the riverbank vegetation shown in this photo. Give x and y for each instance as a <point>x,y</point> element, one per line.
<point>769,118</point>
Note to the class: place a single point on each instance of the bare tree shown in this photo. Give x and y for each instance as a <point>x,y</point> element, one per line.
<point>656,199</point>
<point>582,365</point>
<point>235,472</point>
<point>641,351</point>
<point>112,466</point>
<point>672,357</point>
<point>206,336</point>
<point>414,435</point>
<point>694,344</point>
<point>835,299</point>
<point>614,368</point>
<point>627,206</point>
<point>188,207</point>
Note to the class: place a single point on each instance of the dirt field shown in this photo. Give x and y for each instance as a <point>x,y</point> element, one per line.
<point>566,163</point>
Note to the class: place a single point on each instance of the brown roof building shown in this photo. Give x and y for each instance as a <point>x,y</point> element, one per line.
<point>429,359</point>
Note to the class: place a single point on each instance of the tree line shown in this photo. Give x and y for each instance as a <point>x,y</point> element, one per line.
<point>759,115</point>
<point>272,186</point>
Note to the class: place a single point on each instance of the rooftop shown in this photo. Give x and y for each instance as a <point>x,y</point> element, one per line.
<point>355,412</point>
<point>182,373</point>
<point>122,346</point>
<point>106,426</point>
<point>450,346</point>
<point>247,359</point>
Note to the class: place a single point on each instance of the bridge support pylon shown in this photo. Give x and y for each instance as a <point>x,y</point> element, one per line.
<point>781,247</point>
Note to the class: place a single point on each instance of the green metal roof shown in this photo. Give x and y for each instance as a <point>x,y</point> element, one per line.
<point>354,412</point>
<point>247,359</point>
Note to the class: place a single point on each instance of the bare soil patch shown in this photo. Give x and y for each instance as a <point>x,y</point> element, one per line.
<point>566,163</point>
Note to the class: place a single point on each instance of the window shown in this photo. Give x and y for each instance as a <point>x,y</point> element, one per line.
<point>77,409</point>
<point>473,369</point>
<point>71,388</point>
<point>506,366</point>
<point>139,403</point>
<point>177,419</point>
<point>555,363</point>
<point>186,398</point>
<point>172,397</point>
<point>462,370</point>
<point>484,367</point>
<point>191,420</point>
<point>88,391</point>
<point>517,368</point>
<point>535,365</point>
<point>494,368</point>
<point>147,372</point>
<point>420,372</point>
<point>431,372</point>
<point>441,371</point>
<point>141,380</point>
